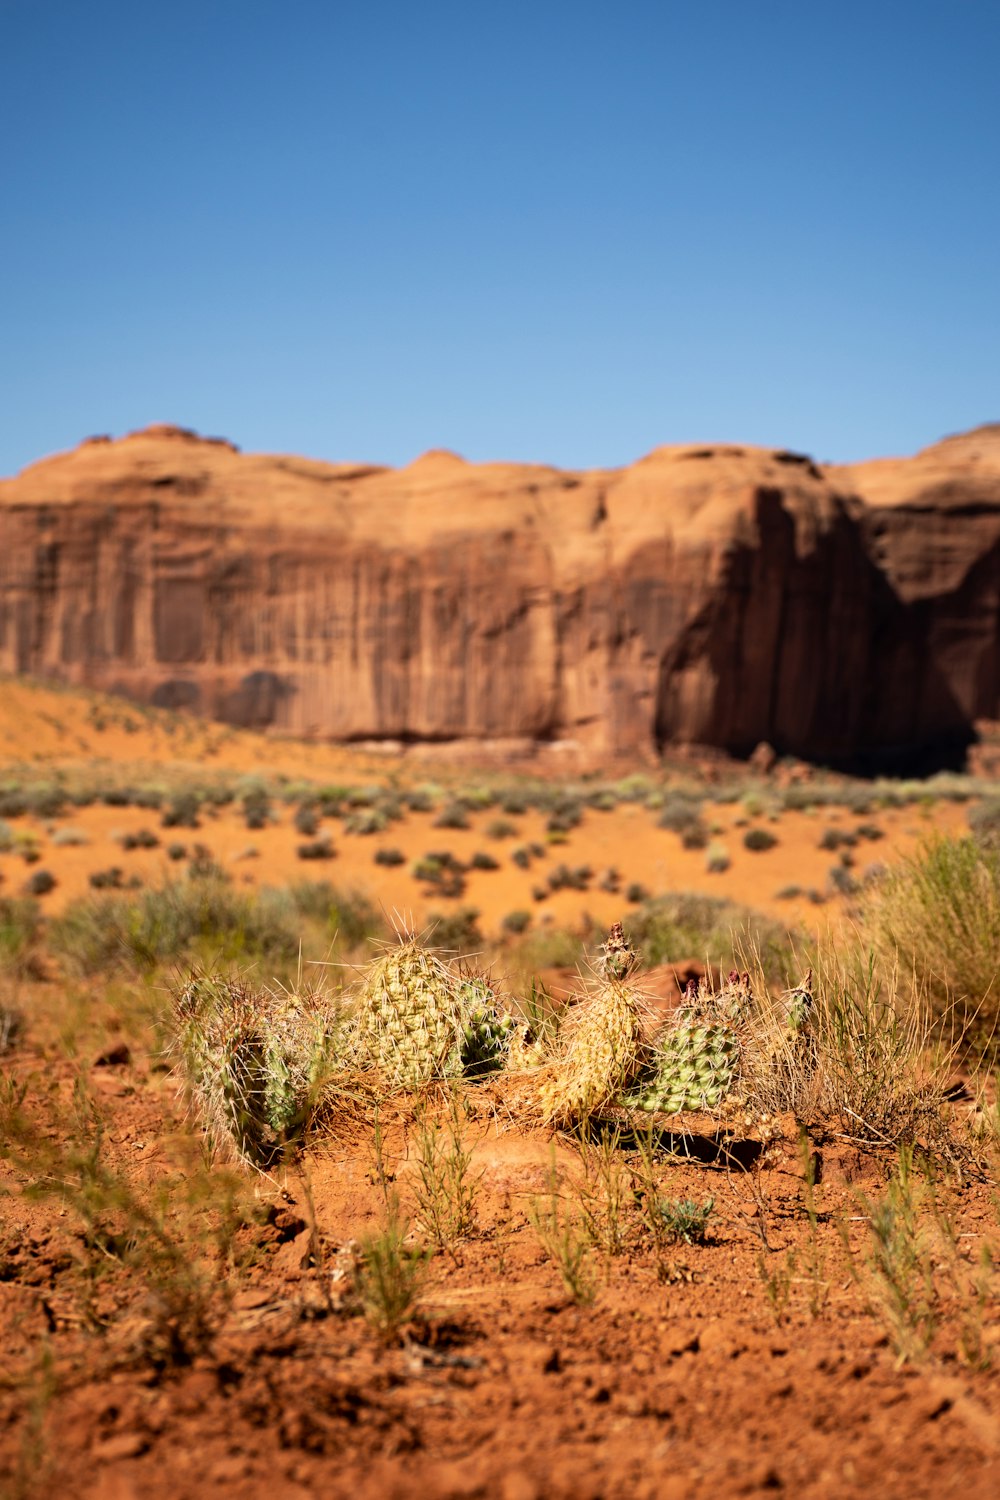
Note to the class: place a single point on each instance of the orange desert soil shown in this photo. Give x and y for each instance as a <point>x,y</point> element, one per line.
<point>685,1384</point>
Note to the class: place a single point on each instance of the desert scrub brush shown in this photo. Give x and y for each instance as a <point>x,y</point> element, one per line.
<point>416,1020</point>
<point>607,1045</point>
<point>698,1054</point>
<point>255,1060</point>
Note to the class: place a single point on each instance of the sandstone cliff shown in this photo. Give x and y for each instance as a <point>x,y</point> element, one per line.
<point>721,595</point>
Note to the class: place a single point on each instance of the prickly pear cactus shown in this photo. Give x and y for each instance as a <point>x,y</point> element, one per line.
<point>409,1018</point>
<point>695,1066</point>
<point>253,1060</point>
<point>486,1029</point>
<point>605,1053</point>
<point>698,1056</point>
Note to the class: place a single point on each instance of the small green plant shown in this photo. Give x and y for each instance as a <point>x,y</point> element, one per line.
<point>684,1220</point>
<point>899,1264</point>
<point>564,1239</point>
<point>717,859</point>
<point>444,1187</point>
<point>604,1192</point>
<point>390,1274</point>
<point>777,1277</point>
<point>516,922</point>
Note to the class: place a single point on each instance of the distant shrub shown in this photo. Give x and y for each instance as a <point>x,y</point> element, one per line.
<point>390,857</point>
<point>182,811</point>
<point>454,815</point>
<point>565,815</point>
<point>679,812</point>
<point>455,932</point>
<point>100,933</point>
<point>717,859</point>
<point>610,881</point>
<point>142,838</point>
<point>256,808</point>
<point>306,820</point>
<point>521,857</point>
<point>870,831</point>
<point>69,838</point>
<point>366,821</point>
<point>107,880</point>
<point>516,922</point>
<point>421,799</point>
<point>789,893</point>
<point>443,871</point>
<point>540,893</point>
<point>636,892</point>
<point>758,840</point>
<point>841,880</point>
<point>837,838</point>
<point>602,799</point>
<point>483,861</point>
<point>565,878</point>
<point>321,848</point>
<point>514,803</point>
<point>177,851</point>
<point>501,828</point>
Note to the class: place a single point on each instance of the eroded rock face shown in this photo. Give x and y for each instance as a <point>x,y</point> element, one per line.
<point>716,596</point>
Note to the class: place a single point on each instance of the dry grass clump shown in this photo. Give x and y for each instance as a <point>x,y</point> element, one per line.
<point>936,917</point>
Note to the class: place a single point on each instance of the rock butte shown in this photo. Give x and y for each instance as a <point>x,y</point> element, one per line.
<point>718,596</point>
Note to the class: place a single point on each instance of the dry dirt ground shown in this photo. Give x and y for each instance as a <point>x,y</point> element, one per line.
<point>699,1370</point>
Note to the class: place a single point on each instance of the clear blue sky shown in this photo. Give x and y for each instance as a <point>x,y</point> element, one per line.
<point>559,230</point>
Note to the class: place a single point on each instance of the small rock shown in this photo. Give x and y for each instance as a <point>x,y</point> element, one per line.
<point>118,1056</point>
<point>121,1445</point>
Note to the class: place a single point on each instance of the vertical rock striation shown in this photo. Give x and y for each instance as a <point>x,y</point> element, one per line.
<point>718,596</point>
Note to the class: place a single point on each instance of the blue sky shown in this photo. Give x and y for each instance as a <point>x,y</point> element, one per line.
<point>564,232</point>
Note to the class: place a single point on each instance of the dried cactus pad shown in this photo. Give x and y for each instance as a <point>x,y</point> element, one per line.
<point>606,1052</point>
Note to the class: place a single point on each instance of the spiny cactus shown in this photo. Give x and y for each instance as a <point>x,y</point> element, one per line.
<point>486,1028</point>
<point>254,1059</point>
<point>408,1024</point>
<point>698,1054</point>
<point>694,1068</point>
<point>618,958</point>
